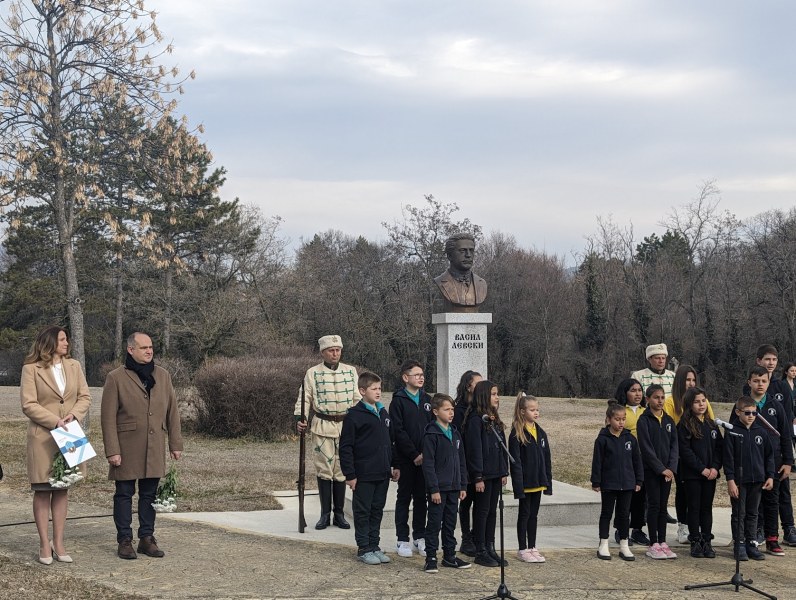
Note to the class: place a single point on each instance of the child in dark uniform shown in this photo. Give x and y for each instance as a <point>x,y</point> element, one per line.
<point>701,454</point>
<point>616,472</point>
<point>747,480</point>
<point>366,461</point>
<point>531,473</point>
<point>657,438</point>
<point>445,472</point>
<point>486,467</point>
<point>464,397</point>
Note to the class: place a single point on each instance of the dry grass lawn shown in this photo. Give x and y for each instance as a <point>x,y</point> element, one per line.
<point>240,474</point>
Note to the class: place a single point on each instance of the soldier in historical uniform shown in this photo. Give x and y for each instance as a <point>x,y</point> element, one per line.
<point>330,389</point>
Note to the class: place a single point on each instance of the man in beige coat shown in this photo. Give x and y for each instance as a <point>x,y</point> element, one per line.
<point>139,408</point>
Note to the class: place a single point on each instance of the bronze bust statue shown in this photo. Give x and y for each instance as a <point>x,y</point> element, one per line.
<point>461,289</point>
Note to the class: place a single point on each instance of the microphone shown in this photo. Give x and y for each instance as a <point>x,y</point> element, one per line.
<point>486,419</point>
<point>724,424</point>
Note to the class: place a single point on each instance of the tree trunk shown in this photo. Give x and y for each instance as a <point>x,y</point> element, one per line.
<point>118,346</point>
<point>167,316</point>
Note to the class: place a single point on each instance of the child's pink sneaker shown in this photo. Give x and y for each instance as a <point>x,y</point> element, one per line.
<point>535,553</point>
<point>526,556</point>
<point>667,551</point>
<point>655,551</point>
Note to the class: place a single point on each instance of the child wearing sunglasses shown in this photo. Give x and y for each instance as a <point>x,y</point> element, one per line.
<point>749,469</point>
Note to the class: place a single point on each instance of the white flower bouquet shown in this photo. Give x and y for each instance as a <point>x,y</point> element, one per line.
<point>63,475</point>
<point>166,497</point>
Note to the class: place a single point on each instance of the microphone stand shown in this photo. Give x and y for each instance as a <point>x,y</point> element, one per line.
<point>737,579</point>
<point>503,590</point>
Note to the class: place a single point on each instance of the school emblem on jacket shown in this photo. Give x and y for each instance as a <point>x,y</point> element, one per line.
<point>778,397</point>
<point>668,427</point>
<point>714,433</point>
<point>457,444</point>
<point>426,407</point>
<point>542,443</point>
<point>628,446</point>
<point>386,422</point>
<point>758,440</point>
<point>772,411</point>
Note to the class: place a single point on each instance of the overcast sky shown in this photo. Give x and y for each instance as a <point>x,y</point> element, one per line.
<point>533,116</point>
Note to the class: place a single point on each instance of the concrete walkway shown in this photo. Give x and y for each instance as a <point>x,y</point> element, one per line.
<point>574,511</point>
<point>227,560</point>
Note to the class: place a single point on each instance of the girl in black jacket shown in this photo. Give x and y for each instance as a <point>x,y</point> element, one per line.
<point>486,466</point>
<point>616,472</point>
<point>701,450</point>
<point>464,397</point>
<point>531,472</point>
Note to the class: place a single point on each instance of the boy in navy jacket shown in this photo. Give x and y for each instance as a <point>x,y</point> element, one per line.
<point>410,411</point>
<point>749,469</point>
<point>445,472</point>
<point>773,412</point>
<point>366,461</point>
<point>657,438</point>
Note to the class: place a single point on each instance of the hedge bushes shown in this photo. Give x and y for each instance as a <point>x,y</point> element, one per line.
<point>253,395</point>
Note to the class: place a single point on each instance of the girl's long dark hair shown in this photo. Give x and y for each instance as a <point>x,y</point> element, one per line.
<point>621,391</point>
<point>678,387</point>
<point>689,419</point>
<point>481,404</point>
<point>464,383</point>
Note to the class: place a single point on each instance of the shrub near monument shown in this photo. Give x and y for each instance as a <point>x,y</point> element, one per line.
<point>252,396</point>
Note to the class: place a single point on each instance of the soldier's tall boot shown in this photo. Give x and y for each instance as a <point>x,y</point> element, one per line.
<point>338,495</point>
<point>325,496</point>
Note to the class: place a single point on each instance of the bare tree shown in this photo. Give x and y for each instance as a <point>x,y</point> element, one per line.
<point>59,62</point>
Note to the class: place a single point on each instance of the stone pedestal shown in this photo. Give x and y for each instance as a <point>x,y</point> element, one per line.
<point>461,346</point>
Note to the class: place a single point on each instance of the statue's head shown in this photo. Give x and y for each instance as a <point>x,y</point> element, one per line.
<point>460,249</point>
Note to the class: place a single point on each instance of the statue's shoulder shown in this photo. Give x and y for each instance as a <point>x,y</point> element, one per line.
<point>444,277</point>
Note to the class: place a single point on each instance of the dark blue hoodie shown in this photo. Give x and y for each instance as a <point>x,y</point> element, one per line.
<point>757,454</point>
<point>485,457</point>
<point>616,462</point>
<point>366,444</point>
<point>444,466</point>
<point>658,442</point>
<point>409,422</point>
<point>532,466</point>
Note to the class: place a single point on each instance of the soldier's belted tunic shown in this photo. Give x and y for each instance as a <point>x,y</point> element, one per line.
<point>329,393</point>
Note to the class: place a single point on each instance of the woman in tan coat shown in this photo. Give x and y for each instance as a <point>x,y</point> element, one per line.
<point>54,392</point>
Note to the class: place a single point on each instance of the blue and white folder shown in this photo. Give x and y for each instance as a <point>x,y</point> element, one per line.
<point>73,443</point>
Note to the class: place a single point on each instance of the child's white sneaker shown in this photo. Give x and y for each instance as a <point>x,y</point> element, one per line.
<point>682,533</point>
<point>404,549</point>
<point>420,546</point>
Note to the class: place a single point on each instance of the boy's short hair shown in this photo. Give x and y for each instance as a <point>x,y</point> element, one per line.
<point>654,388</point>
<point>757,370</point>
<point>745,402</point>
<point>408,365</point>
<point>766,349</point>
<point>437,400</point>
<point>367,379</point>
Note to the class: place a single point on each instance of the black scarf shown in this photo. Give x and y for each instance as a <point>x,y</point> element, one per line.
<point>144,371</point>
